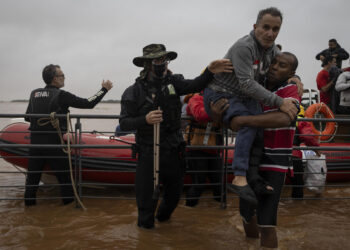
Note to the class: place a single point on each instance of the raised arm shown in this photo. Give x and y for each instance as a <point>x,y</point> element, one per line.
<point>185,86</point>
<point>69,100</point>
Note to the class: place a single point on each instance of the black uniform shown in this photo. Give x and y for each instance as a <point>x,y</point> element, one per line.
<point>341,53</point>
<point>137,101</point>
<point>44,101</point>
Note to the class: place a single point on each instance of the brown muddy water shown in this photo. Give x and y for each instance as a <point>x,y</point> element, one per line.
<point>111,223</point>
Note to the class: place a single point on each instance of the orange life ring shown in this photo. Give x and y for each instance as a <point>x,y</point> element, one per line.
<point>330,129</point>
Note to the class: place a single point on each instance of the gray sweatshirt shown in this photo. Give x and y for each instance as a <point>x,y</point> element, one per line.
<point>250,62</point>
<point>343,86</point>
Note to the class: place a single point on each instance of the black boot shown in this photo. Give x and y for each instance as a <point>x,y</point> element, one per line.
<point>29,199</point>
<point>268,237</point>
<point>251,228</point>
<point>192,197</point>
<point>29,203</point>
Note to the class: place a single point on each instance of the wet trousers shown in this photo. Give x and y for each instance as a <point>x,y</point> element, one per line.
<point>171,176</point>
<point>246,135</point>
<point>39,158</point>
<point>266,210</point>
<point>298,180</point>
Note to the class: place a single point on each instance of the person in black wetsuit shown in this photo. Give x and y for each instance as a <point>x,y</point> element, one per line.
<point>158,87</point>
<point>44,101</point>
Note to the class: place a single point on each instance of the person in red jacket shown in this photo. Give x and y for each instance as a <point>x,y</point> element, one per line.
<point>324,83</point>
<point>203,163</point>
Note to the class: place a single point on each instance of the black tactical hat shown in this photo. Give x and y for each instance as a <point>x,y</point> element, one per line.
<point>153,51</point>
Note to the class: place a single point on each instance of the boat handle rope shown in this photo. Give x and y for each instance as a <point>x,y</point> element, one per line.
<point>56,124</point>
<point>112,137</point>
<point>134,147</point>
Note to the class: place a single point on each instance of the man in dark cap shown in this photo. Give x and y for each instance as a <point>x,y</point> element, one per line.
<point>155,98</point>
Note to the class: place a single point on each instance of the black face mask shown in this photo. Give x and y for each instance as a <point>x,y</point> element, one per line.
<point>159,69</point>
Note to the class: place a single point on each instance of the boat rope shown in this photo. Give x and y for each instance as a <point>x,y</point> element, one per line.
<point>56,124</point>
<point>112,137</point>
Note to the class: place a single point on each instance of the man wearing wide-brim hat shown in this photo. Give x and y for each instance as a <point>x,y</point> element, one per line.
<point>153,51</point>
<point>155,98</point>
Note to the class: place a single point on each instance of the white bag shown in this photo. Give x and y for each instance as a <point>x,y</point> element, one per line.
<point>315,172</point>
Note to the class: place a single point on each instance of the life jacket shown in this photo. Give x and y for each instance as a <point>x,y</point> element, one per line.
<point>164,96</point>
<point>45,101</point>
<point>198,134</point>
<point>201,134</point>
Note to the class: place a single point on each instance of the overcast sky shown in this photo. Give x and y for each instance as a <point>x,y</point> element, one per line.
<point>97,39</point>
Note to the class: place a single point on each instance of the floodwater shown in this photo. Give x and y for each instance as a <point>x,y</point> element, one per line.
<point>111,223</point>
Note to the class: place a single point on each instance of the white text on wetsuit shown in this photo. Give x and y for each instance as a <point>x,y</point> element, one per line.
<point>41,94</point>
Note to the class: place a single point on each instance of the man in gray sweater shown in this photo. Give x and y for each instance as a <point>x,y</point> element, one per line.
<point>251,57</point>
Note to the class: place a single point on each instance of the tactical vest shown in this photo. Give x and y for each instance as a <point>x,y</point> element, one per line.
<point>45,101</point>
<point>166,98</point>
